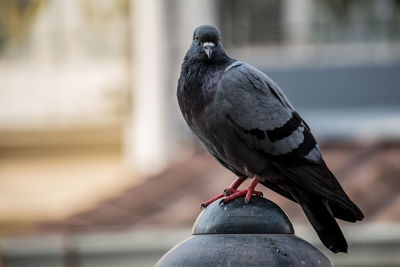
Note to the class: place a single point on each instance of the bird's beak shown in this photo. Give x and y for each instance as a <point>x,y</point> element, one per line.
<point>208,46</point>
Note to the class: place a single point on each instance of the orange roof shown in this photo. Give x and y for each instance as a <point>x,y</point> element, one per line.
<point>369,173</point>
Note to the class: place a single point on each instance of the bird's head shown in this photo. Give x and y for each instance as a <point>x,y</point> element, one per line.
<point>206,44</point>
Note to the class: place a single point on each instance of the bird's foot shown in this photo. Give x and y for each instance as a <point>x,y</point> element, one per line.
<point>248,191</point>
<point>240,193</point>
<point>208,202</point>
<point>228,191</point>
<point>234,186</point>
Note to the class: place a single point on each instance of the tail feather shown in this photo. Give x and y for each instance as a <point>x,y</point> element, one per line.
<point>346,214</point>
<point>323,221</point>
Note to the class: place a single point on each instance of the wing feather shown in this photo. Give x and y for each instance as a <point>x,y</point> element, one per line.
<point>263,115</point>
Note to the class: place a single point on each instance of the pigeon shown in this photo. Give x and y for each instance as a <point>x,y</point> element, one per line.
<point>249,126</point>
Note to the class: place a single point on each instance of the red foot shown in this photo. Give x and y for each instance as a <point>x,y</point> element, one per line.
<point>247,191</point>
<point>208,202</point>
<point>230,190</point>
<point>232,193</point>
<point>234,186</point>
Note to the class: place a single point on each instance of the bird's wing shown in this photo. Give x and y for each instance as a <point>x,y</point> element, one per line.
<point>263,115</point>
<point>265,120</point>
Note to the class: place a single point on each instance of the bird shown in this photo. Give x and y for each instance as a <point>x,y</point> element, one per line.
<point>246,123</point>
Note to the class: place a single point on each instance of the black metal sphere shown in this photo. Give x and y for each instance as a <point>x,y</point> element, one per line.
<point>239,234</point>
<point>260,216</point>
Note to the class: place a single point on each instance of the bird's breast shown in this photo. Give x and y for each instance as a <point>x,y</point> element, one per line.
<point>195,94</point>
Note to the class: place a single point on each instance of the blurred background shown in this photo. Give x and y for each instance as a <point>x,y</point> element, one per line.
<point>97,167</point>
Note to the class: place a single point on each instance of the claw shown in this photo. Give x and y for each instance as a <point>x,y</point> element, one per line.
<point>221,202</point>
<point>205,204</point>
<point>226,192</point>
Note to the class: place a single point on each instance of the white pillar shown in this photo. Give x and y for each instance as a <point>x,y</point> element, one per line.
<point>161,34</point>
<point>145,140</point>
<point>297,20</point>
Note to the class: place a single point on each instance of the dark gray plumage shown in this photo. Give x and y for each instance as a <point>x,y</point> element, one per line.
<point>248,125</point>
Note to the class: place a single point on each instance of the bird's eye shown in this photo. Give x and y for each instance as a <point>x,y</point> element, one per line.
<point>196,37</point>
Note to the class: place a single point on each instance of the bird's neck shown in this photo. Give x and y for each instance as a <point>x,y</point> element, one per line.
<point>197,72</point>
<point>218,60</point>
<point>198,82</point>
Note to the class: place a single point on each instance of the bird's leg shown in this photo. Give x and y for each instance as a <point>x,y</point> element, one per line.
<point>234,186</point>
<point>248,191</point>
<point>228,191</point>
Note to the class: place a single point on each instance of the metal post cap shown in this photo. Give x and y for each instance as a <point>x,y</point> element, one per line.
<point>237,234</point>
<point>261,216</point>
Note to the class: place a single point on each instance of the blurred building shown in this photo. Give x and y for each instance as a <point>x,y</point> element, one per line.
<point>93,143</point>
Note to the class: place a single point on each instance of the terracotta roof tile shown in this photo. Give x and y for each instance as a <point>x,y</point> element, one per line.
<point>369,173</point>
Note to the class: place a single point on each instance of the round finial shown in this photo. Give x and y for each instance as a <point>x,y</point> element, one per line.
<point>260,216</point>
<point>237,234</point>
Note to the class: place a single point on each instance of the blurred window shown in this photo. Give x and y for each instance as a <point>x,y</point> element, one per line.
<point>258,22</point>
<point>355,20</point>
<point>252,22</point>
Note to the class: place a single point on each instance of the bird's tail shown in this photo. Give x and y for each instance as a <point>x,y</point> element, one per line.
<point>322,219</point>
